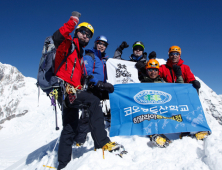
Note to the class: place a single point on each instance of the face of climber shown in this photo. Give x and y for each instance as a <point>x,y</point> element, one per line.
<point>138,51</point>
<point>152,72</point>
<point>174,57</point>
<point>101,46</point>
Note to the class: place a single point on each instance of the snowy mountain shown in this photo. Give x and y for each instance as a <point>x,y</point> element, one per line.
<point>211,102</point>
<point>12,82</point>
<point>28,140</point>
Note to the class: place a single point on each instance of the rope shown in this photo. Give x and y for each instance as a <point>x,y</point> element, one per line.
<point>70,89</point>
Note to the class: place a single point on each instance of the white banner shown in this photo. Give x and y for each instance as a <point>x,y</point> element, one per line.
<point>121,71</point>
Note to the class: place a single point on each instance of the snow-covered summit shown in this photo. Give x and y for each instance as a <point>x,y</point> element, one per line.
<point>15,90</point>
<point>211,102</point>
<point>161,61</point>
<point>11,82</point>
<point>30,141</point>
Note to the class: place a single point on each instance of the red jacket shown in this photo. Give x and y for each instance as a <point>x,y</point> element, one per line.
<point>164,72</point>
<point>71,71</point>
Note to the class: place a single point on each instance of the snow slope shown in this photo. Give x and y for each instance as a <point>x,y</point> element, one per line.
<point>27,142</point>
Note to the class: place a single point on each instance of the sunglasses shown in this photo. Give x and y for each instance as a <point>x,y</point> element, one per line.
<point>152,69</point>
<point>83,32</point>
<point>174,53</point>
<point>138,48</point>
<point>101,43</point>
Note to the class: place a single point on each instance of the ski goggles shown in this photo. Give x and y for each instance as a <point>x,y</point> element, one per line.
<point>174,53</point>
<point>152,69</point>
<point>102,43</point>
<point>83,32</point>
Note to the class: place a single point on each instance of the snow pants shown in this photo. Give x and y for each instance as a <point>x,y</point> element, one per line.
<point>83,124</point>
<point>70,124</point>
<point>82,130</point>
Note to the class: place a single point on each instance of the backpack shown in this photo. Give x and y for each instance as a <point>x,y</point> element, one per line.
<point>46,79</point>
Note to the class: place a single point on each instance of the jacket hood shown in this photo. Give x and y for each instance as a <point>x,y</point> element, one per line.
<point>170,63</point>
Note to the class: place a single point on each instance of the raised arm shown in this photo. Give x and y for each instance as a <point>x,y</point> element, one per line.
<point>118,52</point>
<point>63,33</point>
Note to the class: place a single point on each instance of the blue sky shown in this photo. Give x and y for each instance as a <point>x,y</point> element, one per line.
<point>194,25</point>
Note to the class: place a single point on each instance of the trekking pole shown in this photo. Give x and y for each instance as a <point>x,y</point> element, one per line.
<point>57,128</point>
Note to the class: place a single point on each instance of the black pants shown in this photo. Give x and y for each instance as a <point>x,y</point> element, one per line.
<point>82,130</point>
<point>70,124</point>
<point>83,124</point>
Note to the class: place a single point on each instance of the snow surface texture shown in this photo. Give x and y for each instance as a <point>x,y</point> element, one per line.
<point>27,142</point>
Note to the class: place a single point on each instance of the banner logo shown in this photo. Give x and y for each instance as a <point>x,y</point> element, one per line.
<point>146,97</point>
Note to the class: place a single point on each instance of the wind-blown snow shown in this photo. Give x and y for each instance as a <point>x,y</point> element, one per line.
<point>27,142</point>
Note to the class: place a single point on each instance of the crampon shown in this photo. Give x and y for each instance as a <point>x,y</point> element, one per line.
<point>114,147</point>
<point>160,140</point>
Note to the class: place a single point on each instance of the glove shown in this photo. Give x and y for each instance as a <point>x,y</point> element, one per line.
<point>152,55</point>
<point>123,45</point>
<point>140,65</point>
<point>196,84</point>
<point>177,70</point>
<point>75,17</point>
<point>105,86</point>
<point>76,14</point>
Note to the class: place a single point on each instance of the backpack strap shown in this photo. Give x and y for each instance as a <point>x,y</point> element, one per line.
<point>71,49</point>
<point>93,57</point>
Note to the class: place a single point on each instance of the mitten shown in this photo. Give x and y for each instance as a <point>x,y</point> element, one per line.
<point>76,14</point>
<point>152,55</point>
<point>75,17</point>
<point>177,70</point>
<point>140,65</point>
<point>196,84</point>
<point>123,45</point>
<point>105,86</point>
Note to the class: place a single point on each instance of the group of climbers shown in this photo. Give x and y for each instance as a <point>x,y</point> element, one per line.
<point>74,67</point>
<point>174,71</point>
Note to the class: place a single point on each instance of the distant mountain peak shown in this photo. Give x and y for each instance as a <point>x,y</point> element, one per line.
<point>11,80</point>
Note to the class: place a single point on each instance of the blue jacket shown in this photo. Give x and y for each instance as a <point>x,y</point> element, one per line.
<point>98,70</point>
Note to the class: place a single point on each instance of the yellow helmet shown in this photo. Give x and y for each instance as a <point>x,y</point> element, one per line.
<point>152,63</point>
<point>87,25</point>
<point>174,48</point>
